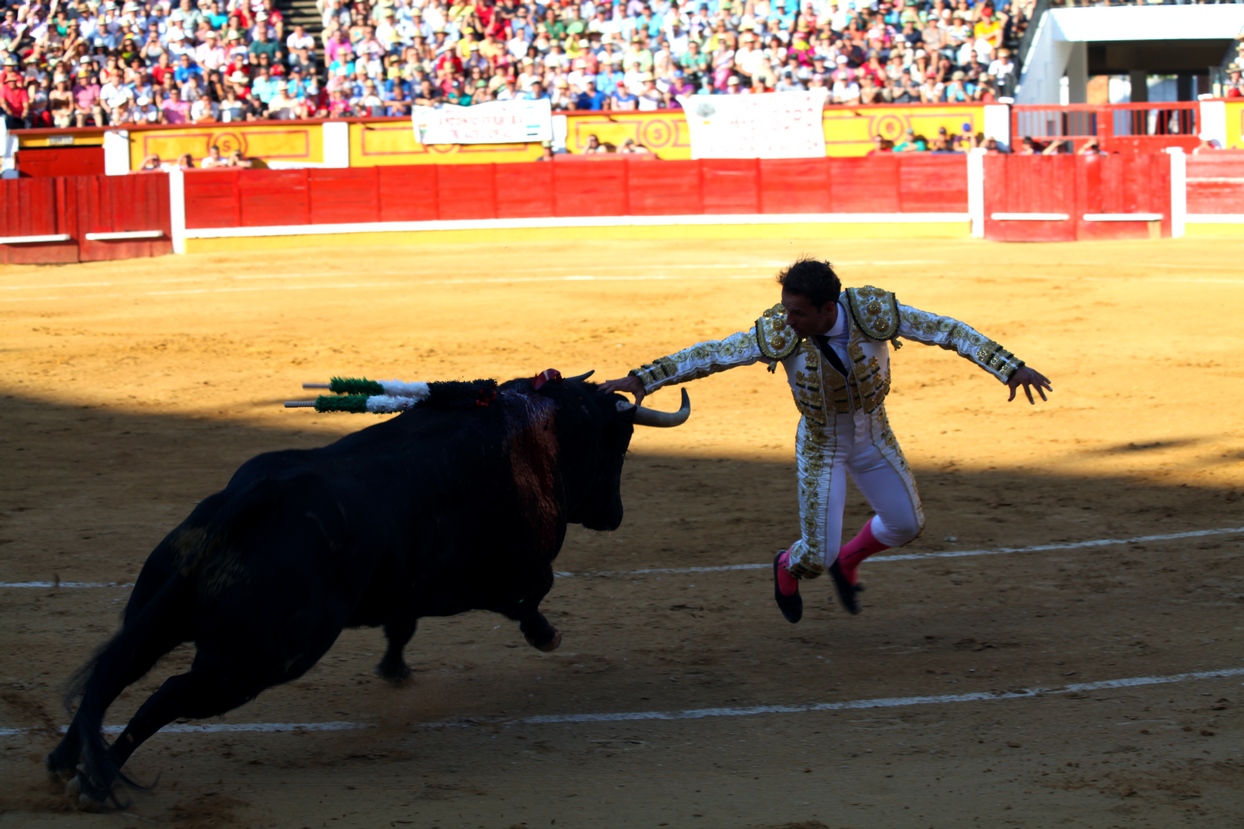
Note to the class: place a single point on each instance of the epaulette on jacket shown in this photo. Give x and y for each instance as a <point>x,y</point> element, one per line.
<point>776,339</point>
<point>875,311</point>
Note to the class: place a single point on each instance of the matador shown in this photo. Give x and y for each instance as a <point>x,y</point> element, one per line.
<point>834,345</point>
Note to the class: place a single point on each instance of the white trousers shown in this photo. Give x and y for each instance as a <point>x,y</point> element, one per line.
<point>863,447</point>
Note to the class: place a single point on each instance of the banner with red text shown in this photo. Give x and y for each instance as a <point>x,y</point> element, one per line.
<point>496,122</point>
<point>771,125</point>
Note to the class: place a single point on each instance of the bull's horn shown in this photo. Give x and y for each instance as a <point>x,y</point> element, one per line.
<point>581,376</point>
<point>651,417</point>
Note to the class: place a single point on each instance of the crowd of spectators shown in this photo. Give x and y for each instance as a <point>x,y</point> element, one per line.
<point>114,62</point>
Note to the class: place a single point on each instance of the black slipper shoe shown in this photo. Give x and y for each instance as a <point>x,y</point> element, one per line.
<point>792,605</point>
<point>846,590</point>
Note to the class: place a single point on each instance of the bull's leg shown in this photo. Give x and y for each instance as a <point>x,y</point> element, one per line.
<point>197,694</point>
<point>526,609</point>
<point>539,633</point>
<point>62,762</point>
<point>393,667</point>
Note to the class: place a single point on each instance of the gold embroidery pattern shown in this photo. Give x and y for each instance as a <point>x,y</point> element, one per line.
<point>871,383</point>
<point>994,357</point>
<point>776,339</point>
<point>656,371</point>
<point>806,558</point>
<point>700,360</point>
<point>875,311</point>
<point>953,335</point>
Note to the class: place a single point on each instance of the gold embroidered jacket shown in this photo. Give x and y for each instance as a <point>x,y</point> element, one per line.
<point>874,317</point>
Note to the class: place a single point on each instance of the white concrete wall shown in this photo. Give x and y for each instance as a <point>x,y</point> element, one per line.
<point>1059,45</point>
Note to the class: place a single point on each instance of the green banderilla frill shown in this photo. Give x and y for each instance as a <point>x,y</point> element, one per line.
<point>354,385</point>
<point>353,403</point>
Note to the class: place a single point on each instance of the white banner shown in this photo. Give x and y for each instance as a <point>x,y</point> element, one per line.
<point>771,125</point>
<point>496,122</point>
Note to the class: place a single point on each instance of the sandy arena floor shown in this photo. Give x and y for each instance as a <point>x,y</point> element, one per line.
<point>130,391</point>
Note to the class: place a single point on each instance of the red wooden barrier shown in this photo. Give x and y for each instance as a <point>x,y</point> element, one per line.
<point>408,194</point>
<point>1119,185</point>
<point>213,199</point>
<point>49,162</point>
<point>1216,182</point>
<point>870,184</point>
<point>274,197</point>
<point>794,185</point>
<point>607,187</point>
<point>932,183</point>
<point>114,205</point>
<point>103,217</point>
<point>730,185</point>
<point>1033,185</point>
<point>36,207</point>
<point>524,193</point>
<point>666,188</point>
<point>1062,198</point>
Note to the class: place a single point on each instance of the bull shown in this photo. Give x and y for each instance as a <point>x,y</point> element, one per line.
<point>437,511</point>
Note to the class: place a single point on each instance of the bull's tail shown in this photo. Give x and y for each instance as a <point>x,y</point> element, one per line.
<point>158,627</point>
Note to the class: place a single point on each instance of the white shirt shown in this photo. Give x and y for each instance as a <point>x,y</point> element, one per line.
<point>839,334</point>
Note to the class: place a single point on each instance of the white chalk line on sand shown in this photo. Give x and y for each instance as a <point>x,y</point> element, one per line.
<point>414,280</point>
<point>997,551</point>
<point>726,568</point>
<point>693,713</point>
<point>500,281</point>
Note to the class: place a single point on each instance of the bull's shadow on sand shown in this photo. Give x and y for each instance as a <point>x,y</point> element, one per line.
<point>88,491</point>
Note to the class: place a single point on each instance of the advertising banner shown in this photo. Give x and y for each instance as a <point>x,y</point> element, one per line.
<point>497,122</point>
<point>772,125</point>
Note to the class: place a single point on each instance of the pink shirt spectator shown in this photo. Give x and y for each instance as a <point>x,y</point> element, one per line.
<point>87,95</point>
<point>176,111</point>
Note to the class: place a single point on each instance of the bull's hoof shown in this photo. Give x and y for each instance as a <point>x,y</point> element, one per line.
<point>548,646</point>
<point>396,672</point>
<point>58,773</point>
<point>60,766</point>
<point>75,790</point>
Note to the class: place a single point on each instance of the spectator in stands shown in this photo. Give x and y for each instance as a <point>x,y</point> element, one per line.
<point>86,97</point>
<point>1206,144</point>
<point>236,160</point>
<point>113,94</point>
<point>185,162</point>
<point>1234,85</point>
<point>213,159</point>
<point>232,108</point>
<point>889,53</point>
<point>301,47</point>
<point>60,102</point>
<point>174,109</point>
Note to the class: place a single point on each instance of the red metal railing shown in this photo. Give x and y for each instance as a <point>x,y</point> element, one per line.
<point>1125,128</point>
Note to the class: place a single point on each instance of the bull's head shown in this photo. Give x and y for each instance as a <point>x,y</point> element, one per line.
<point>595,500</point>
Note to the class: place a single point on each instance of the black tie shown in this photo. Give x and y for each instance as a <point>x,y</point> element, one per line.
<point>822,342</point>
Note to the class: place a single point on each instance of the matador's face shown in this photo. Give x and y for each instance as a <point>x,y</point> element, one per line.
<point>807,319</point>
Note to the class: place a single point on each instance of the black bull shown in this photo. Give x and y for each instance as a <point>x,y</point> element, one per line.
<point>431,513</point>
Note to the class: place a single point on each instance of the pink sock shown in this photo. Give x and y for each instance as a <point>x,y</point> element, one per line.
<point>787,584</point>
<point>857,549</point>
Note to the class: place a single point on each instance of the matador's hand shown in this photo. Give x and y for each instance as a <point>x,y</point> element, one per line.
<point>1029,379</point>
<point>629,384</point>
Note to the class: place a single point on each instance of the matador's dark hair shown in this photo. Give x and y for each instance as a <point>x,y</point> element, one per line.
<point>813,279</point>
